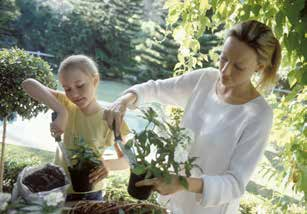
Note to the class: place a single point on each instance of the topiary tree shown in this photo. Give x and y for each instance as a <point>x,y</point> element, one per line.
<point>15,66</point>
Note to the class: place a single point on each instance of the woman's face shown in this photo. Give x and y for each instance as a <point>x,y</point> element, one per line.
<point>79,87</point>
<point>238,62</point>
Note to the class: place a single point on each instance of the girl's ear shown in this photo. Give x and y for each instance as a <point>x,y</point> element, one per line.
<point>96,80</point>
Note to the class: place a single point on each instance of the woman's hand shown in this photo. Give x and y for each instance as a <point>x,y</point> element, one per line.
<point>116,112</point>
<point>58,126</point>
<point>161,186</point>
<point>98,174</point>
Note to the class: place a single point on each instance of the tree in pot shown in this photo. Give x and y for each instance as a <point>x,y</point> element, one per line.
<point>83,160</point>
<point>17,65</point>
<point>160,150</point>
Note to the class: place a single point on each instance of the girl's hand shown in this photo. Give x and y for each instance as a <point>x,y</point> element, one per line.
<point>98,174</point>
<point>162,187</point>
<point>58,126</point>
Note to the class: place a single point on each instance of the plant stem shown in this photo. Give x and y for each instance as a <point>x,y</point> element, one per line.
<point>2,153</point>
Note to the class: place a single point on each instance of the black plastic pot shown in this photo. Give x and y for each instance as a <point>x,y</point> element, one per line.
<point>140,193</point>
<point>80,179</point>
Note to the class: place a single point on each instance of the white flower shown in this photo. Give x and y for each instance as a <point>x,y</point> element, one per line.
<point>3,206</point>
<point>4,198</point>
<point>54,198</point>
<point>181,153</point>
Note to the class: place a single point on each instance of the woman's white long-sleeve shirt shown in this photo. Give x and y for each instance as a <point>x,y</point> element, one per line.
<point>229,139</point>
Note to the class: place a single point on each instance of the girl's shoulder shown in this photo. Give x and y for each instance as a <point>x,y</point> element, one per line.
<point>63,99</point>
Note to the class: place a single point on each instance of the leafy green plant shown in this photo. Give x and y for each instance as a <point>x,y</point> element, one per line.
<point>83,160</point>
<point>167,144</point>
<point>17,65</point>
<point>290,141</point>
<point>187,20</point>
<point>83,155</point>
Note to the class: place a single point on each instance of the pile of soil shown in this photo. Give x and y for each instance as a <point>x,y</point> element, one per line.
<point>46,179</point>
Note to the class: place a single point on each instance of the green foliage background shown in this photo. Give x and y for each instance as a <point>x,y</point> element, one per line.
<point>189,19</point>
<point>126,38</point>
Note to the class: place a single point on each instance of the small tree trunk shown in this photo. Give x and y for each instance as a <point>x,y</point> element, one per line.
<point>2,154</point>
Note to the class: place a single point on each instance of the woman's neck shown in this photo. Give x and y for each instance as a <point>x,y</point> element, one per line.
<point>237,95</point>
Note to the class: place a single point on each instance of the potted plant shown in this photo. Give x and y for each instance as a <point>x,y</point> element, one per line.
<point>160,150</point>
<point>83,160</point>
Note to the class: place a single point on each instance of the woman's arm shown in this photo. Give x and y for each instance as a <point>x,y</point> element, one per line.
<point>194,185</point>
<point>174,91</point>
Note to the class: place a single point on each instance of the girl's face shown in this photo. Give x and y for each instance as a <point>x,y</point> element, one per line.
<point>79,87</point>
<point>238,62</point>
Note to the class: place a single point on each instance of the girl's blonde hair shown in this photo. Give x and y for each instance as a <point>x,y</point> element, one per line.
<point>81,62</point>
<point>261,38</point>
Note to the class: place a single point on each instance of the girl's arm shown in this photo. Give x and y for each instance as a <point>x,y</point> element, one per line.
<point>42,94</point>
<point>117,164</point>
<point>47,95</point>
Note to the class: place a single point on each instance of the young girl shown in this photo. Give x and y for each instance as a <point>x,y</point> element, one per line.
<point>79,113</point>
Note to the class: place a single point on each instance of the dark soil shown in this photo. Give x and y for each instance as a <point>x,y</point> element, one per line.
<point>46,179</point>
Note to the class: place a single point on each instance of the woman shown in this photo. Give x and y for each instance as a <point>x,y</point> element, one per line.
<point>230,119</point>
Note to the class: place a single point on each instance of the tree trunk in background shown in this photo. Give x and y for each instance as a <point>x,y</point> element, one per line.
<point>2,154</point>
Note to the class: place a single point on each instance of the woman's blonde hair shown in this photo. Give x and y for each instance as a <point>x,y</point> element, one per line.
<point>261,38</point>
<point>81,62</point>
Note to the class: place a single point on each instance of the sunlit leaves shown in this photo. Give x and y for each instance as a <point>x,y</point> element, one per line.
<point>193,21</point>
<point>288,20</point>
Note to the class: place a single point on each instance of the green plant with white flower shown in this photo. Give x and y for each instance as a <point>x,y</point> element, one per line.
<point>53,199</point>
<point>162,149</point>
<point>4,202</point>
<point>52,203</point>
